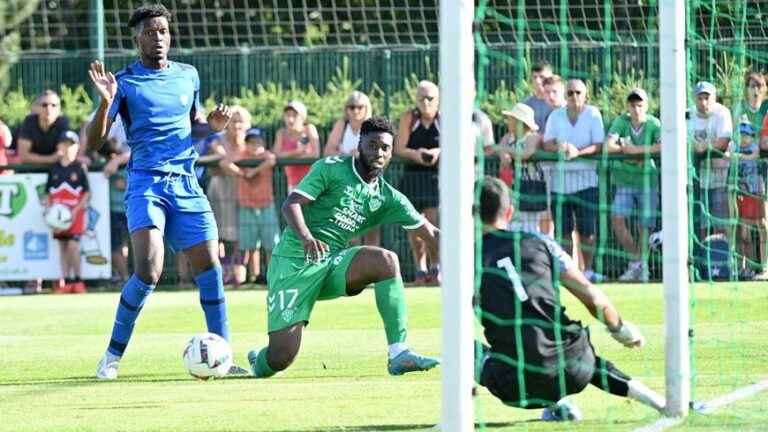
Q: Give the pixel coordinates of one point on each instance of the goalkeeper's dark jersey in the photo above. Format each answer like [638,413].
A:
[519,271]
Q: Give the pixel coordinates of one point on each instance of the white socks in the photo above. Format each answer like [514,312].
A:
[639,392]
[396,348]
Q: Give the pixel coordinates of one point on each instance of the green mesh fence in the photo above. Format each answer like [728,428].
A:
[614,192]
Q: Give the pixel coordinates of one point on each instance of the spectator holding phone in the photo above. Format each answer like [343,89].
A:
[418,142]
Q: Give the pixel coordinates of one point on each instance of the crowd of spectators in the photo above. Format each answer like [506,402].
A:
[559,196]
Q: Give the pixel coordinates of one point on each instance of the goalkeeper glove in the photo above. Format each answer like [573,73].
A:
[628,335]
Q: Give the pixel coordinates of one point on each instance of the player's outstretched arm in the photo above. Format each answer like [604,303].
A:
[431,235]
[598,304]
[106,85]
[314,249]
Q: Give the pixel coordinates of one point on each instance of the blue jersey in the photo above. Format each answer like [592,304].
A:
[157,107]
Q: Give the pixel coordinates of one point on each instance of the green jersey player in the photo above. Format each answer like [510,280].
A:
[341,198]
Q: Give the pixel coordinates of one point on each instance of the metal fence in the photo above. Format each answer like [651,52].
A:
[740,230]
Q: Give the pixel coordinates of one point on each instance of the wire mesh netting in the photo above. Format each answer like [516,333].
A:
[587,173]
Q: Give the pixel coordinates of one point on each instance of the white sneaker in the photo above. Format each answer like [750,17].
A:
[564,410]
[107,367]
[644,275]
[630,275]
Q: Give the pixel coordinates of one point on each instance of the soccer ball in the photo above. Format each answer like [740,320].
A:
[58,216]
[655,240]
[207,355]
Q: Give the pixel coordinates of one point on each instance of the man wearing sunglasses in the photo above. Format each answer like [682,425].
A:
[418,142]
[40,131]
[574,131]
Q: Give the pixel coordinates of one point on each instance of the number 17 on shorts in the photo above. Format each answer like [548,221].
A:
[284,301]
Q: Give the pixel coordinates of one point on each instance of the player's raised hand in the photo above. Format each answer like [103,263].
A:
[219,118]
[103,81]
[315,250]
[628,335]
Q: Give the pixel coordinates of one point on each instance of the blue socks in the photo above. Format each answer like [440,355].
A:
[211,289]
[132,299]
[135,293]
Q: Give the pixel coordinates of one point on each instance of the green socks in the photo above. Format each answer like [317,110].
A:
[390,301]
[260,367]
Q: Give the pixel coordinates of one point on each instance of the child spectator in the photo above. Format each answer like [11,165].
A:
[748,198]
[258,223]
[296,140]
[68,184]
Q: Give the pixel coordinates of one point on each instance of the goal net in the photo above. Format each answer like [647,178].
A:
[604,205]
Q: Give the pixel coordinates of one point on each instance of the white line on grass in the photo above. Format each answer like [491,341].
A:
[708,407]
[661,424]
[741,393]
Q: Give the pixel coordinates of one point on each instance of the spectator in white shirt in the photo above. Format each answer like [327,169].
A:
[576,130]
[709,130]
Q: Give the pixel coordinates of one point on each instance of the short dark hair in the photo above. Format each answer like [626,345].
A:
[494,199]
[541,66]
[47,92]
[148,11]
[376,124]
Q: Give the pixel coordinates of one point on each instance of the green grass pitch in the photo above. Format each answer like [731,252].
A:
[50,345]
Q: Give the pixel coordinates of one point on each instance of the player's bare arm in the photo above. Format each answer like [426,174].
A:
[314,249]
[106,86]
[431,235]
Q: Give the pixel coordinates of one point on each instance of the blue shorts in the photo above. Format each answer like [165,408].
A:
[173,203]
[632,201]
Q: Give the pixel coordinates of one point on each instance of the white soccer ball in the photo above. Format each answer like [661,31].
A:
[207,355]
[58,217]
[655,240]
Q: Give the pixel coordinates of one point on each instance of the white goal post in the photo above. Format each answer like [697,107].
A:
[457,225]
[457,173]
[674,203]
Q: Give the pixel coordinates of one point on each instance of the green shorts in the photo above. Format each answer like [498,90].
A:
[295,285]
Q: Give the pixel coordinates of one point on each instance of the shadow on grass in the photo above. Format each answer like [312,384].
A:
[405,427]
[90,379]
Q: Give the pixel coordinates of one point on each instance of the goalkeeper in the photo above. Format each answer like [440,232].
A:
[549,356]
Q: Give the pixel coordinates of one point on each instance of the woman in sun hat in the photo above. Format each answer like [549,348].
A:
[529,190]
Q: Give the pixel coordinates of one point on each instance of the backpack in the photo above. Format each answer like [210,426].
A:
[712,259]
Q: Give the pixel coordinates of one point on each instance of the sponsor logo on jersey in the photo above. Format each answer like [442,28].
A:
[374,204]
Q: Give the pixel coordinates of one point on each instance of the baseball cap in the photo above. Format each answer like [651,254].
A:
[704,87]
[298,107]
[747,129]
[254,133]
[69,135]
[638,93]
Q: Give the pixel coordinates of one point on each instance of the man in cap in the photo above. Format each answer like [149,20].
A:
[709,131]
[635,133]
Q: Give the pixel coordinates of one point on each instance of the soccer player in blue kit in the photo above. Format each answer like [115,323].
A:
[157,100]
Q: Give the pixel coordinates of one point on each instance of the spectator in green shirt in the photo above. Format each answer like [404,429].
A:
[637,180]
